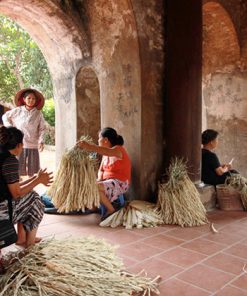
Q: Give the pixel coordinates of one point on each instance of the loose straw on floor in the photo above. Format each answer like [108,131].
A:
[75,267]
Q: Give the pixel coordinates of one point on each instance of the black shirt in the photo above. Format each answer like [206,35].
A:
[210,163]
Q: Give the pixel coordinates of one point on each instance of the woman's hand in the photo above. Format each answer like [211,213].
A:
[44,177]
[83,145]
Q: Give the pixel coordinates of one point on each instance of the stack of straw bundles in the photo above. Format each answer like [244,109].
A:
[178,199]
[69,267]
[137,214]
[74,187]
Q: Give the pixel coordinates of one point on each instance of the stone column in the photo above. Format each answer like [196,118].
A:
[183,80]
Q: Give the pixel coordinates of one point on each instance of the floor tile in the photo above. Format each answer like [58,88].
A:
[223,238]
[227,263]
[186,233]
[206,277]
[154,267]
[139,251]
[239,250]
[162,241]
[241,282]
[175,287]
[231,291]
[204,246]
[181,257]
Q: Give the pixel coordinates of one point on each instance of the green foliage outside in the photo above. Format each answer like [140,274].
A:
[22,64]
[49,112]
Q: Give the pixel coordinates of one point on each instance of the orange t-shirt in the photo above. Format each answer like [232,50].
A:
[117,168]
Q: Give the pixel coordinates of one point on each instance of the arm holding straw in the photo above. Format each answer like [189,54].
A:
[111,151]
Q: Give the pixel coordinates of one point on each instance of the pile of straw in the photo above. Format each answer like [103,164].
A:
[178,199]
[239,183]
[137,214]
[73,267]
[74,187]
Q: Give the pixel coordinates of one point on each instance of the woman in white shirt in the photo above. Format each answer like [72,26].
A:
[28,118]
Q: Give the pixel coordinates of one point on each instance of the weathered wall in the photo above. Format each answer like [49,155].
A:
[128,61]
[87,103]
[224,77]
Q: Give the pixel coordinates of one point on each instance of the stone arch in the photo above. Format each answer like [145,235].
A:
[88,103]
[220,41]
[64,45]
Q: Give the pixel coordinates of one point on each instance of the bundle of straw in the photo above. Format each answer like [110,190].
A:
[239,183]
[74,187]
[137,214]
[79,267]
[178,199]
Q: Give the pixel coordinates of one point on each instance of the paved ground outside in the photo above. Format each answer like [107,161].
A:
[47,160]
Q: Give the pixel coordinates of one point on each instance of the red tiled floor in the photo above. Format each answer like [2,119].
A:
[223,238]
[241,282]
[239,250]
[182,257]
[156,267]
[139,251]
[169,251]
[184,233]
[203,246]
[191,261]
[179,288]
[231,291]
[162,241]
[226,262]
[205,277]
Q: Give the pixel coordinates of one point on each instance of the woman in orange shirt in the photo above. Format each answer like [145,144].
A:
[115,169]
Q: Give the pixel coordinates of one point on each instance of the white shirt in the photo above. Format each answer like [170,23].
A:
[30,122]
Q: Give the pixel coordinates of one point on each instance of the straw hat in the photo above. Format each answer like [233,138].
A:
[18,100]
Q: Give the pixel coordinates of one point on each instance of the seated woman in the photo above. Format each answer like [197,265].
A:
[115,169]
[212,171]
[27,207]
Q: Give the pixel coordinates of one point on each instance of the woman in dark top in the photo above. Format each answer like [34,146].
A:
[27,207]
[212,171]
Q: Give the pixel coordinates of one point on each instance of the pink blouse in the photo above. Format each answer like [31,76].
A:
[30,122]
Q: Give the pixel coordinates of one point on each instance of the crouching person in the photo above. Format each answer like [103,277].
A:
[114,174]
[27,207]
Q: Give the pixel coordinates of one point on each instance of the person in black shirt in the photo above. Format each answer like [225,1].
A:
[212,172]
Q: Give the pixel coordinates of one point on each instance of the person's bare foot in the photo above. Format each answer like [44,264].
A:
[23,243]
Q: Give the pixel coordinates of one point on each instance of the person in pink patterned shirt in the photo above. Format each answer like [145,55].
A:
[28,118]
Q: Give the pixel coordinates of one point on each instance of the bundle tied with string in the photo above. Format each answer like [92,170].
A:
[178,199]
[239,183]
[74,187]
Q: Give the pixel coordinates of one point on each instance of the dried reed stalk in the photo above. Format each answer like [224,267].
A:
[74,187]
[239,183]
[137,214]
[178,199]
[69,267]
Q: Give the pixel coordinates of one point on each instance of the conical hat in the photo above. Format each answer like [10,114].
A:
[18,100]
